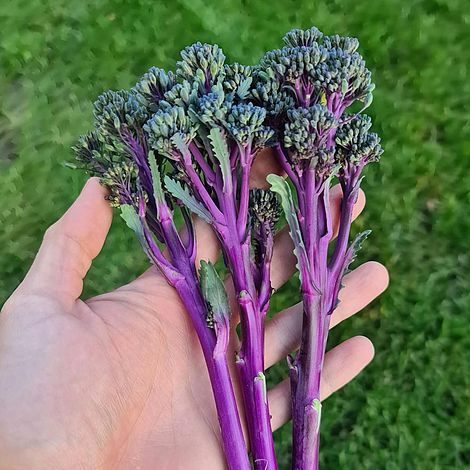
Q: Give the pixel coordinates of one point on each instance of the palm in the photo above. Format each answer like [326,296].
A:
[119,381]
[130,376]
[174,419]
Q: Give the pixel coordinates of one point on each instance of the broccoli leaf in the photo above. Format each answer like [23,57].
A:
[213,291]
[179,192]
[355,246]
[180,144]
[130,216]
[156,179]
[219,145]
[280,186]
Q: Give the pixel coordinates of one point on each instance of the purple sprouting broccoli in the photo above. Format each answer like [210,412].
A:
[117,151]
[306,88]
[210,134]
[185,143]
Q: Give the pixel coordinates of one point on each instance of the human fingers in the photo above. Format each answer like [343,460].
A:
[69,246]
[342,364]
[361,287]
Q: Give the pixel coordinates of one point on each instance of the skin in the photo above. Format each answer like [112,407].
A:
[118,381]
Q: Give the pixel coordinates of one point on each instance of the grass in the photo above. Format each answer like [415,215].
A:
[409,410]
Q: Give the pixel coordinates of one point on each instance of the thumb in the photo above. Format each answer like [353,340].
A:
[69,246]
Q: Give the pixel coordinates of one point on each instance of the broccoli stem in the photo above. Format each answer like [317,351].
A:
[305,373]
[233,441]
[187,286]
[251,356]
[305,377]
[306,369]
[251,369]
[350,182]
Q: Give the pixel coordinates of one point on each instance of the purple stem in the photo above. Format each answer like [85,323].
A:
[251,369]
[293,176]
[198,188]
[234,151]
[309,212]
[251,356]
[265,277]
[181,274]
[189,236]
[156,256]
[140,158]
[286,166]
[319,293]
[306,369]
[305,380]
[233,440]
[206,169]
[349,184]
[324,218]
[236,250]
[183,278]
[246,161]
[336,280]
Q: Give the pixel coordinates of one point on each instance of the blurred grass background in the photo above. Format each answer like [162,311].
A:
[410,408]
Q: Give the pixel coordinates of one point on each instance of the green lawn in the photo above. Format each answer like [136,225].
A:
[410,408]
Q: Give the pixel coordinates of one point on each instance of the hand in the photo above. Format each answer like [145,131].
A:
[119,381]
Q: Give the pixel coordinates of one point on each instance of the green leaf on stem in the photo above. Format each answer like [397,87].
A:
[180,144]
[156,178]
[219,145]
[355,246]
[132,219]
[280,186]
[176,189]
[214,292]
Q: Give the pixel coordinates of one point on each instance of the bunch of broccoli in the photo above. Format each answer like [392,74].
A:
[184,143]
